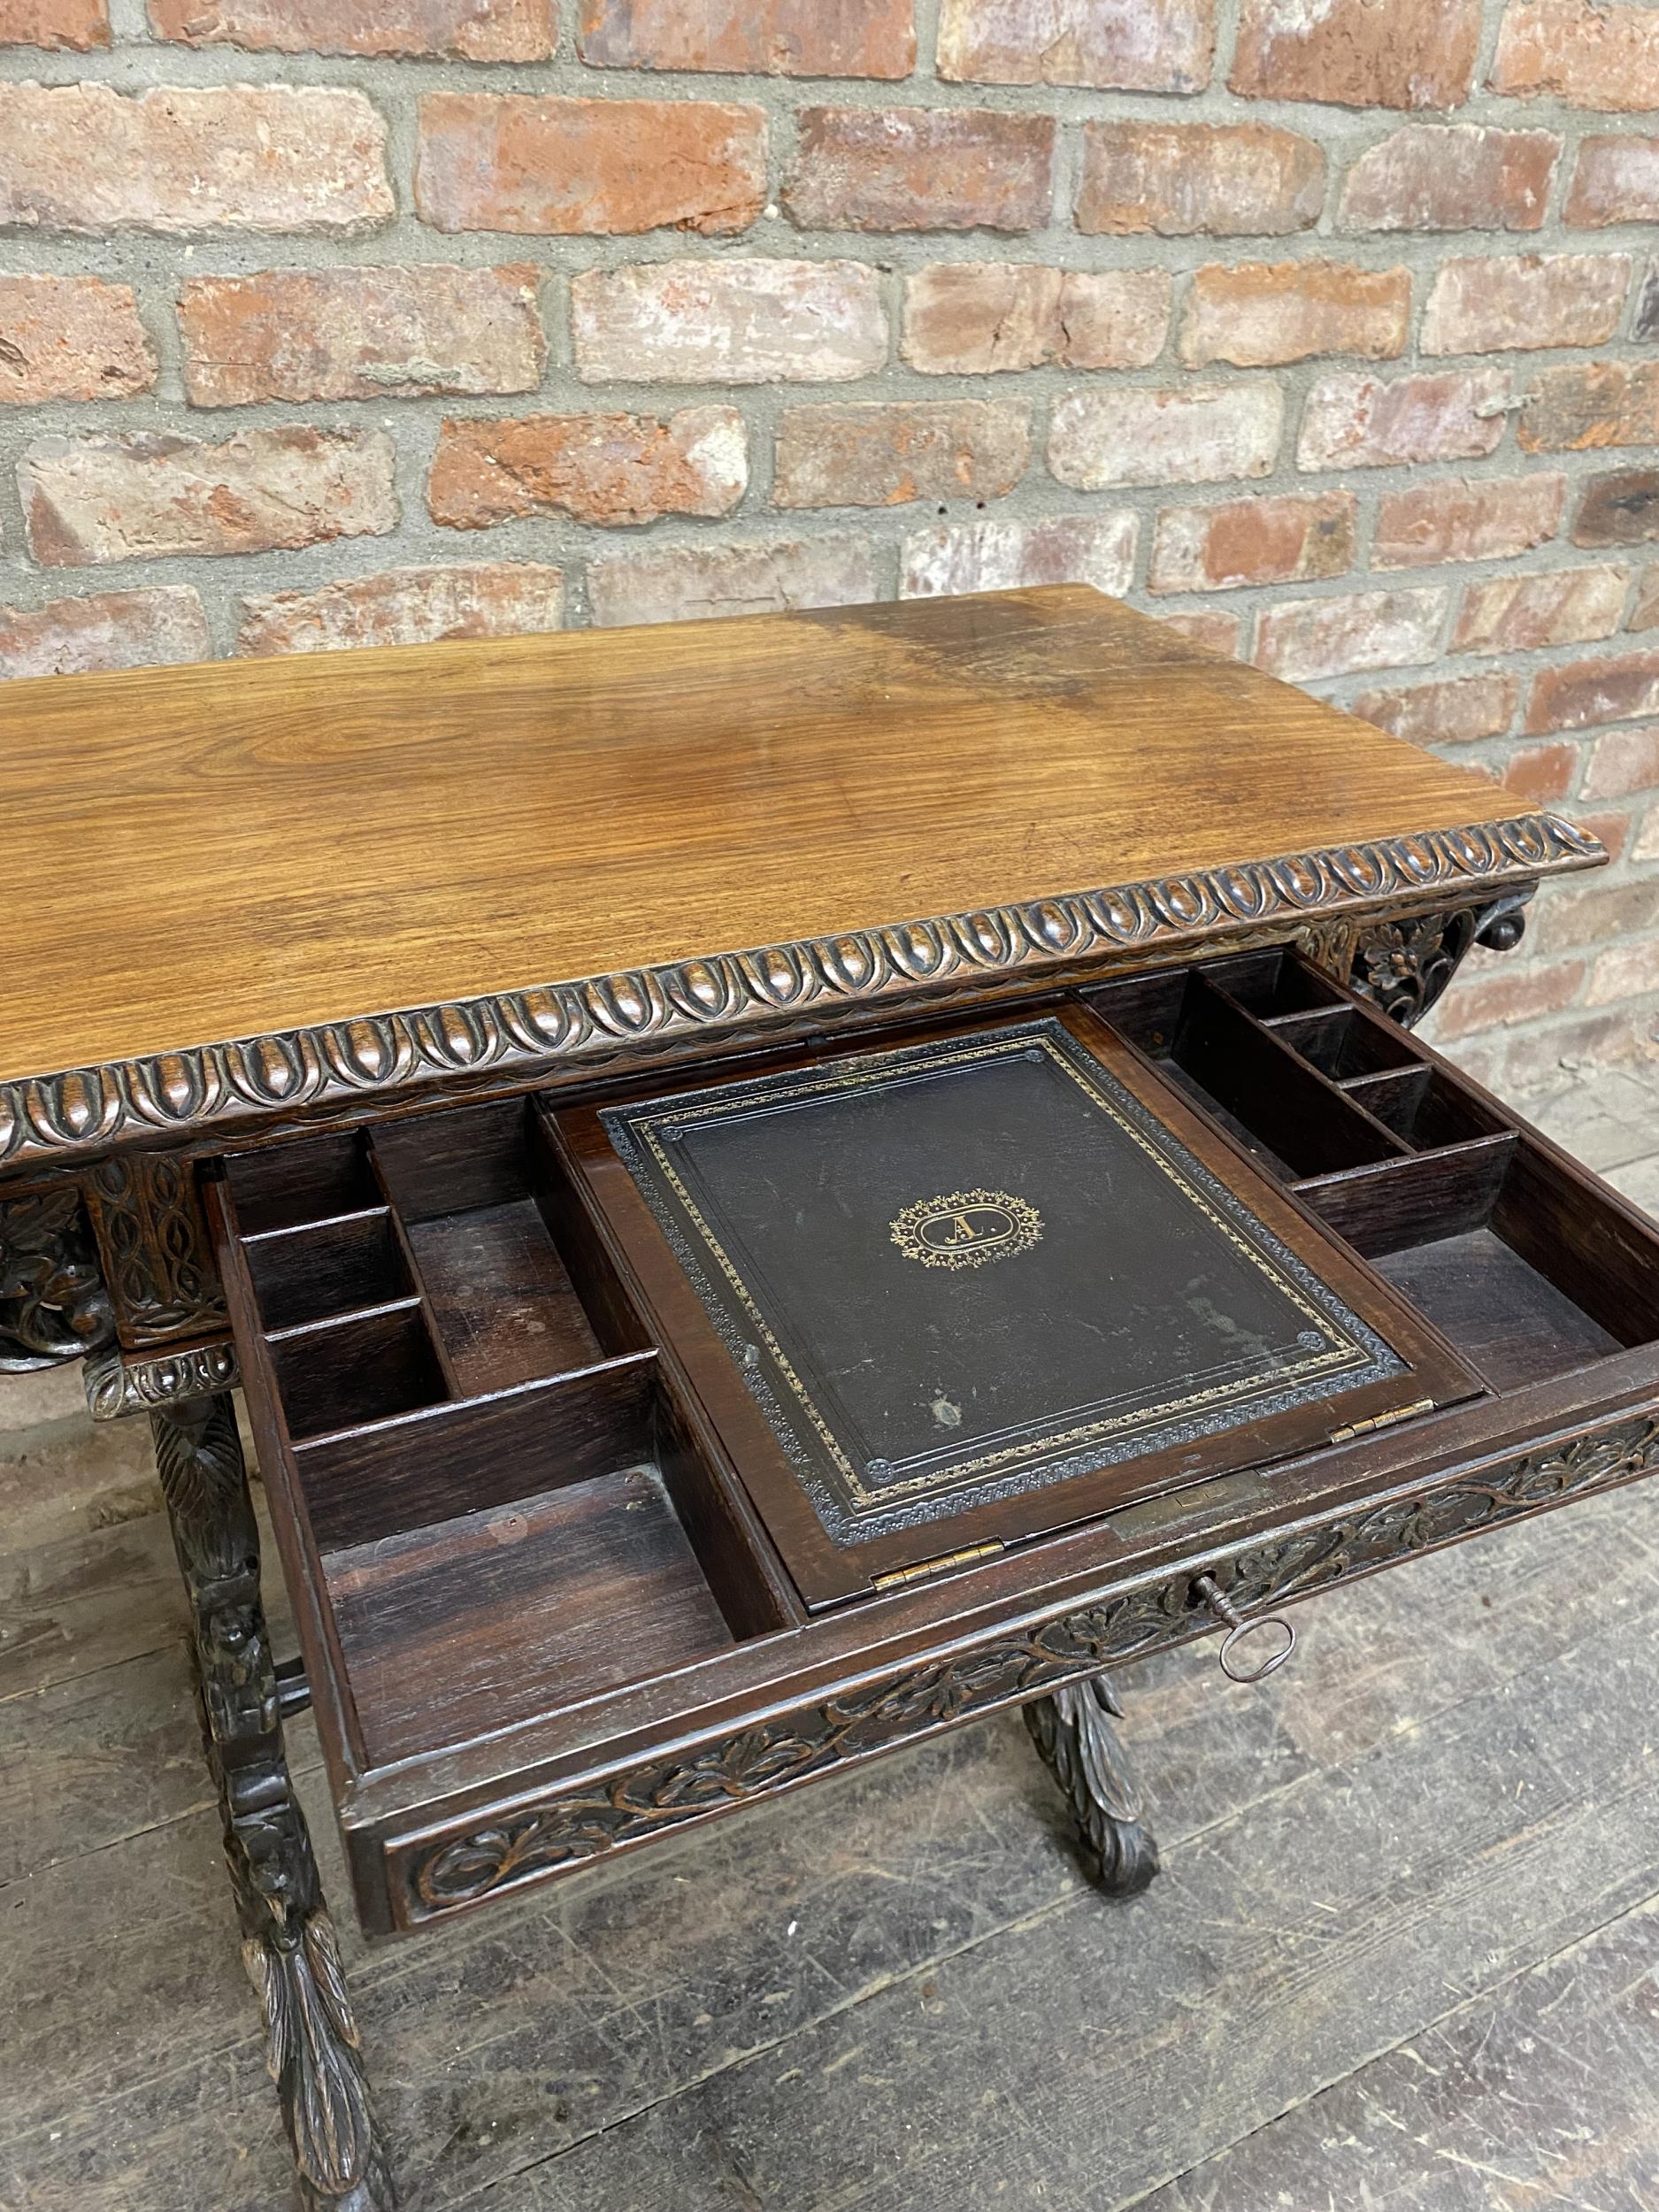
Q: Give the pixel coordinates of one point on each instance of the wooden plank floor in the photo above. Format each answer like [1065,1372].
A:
[1404,1952]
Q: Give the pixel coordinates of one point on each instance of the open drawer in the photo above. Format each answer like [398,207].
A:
[551,1524]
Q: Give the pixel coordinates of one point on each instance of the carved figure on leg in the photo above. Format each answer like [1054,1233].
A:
[1073,1730]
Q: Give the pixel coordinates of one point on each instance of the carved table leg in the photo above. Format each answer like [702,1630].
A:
[288,1940]
[1073,1730]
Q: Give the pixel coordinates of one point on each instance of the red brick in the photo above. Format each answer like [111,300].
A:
[1621,509]
[1646,845]
[1590,916]
[1257,314]
[1300,639]
[1195,433]
[1616,181]
[992,555]
[1409,54]
[1507,996]
[1624,971]
[515,161]
[1590,53]
[152,495]
[1610,827]
[1578,409]
[1623,761]
[1211,631]
[1538,773]
[71,337]
[1179,178]
[1645,614]
[1460,176]
[1523,614]
[1498,305]
[729,322]
[599,468]
[360,334]
[1119,45]
[260,157]
[1467,518]
[686,583]
[1621,688]
[462,30]
[1282,541]
[405,606]
[921,169]
[1361,422]
[777,38]
[78,25]
[883,454]
[1457,711]
[970,317]
[103,630]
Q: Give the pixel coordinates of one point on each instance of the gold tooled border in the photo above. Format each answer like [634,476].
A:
[644,1124]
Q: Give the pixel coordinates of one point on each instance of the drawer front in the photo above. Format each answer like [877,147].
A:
[544,1612]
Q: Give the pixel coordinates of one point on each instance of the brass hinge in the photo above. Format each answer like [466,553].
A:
[946,1561]
[1382,1421]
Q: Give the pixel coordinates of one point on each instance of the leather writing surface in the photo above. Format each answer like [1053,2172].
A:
[965,1270]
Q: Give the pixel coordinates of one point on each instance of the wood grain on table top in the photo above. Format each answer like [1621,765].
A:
[199,853]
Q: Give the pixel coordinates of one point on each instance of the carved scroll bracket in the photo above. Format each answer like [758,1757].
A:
[1402,967]
[53,1305]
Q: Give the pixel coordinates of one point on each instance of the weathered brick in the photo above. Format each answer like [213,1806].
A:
[1623,688]
[921,169]
[461,30]
[688,583]
[729,322]
[1180,179]
[1645,614]
[1601,910]
[1278,541]
[881,453]
[1623,972]
[1467,518]
[1623,761]
[1193,435]
[360,334]
[1301,639]
[972,317]
[1644,322]
[405,606]
[1507,996]
[1257,314]
[1611,826]
[1616,181]
[1208,629]
[1361,422]
[1590,53]
[77,25]
[1410,54]
[1540,773]
[599,468]
[153,496]
[1500,304]
[1455,711]
[517,161]
[1622,508]
[1577,410]
[71,337]
[1522,614]
[991,555]
[106,629]
[777,38]
[260,157]
[1119,45]
[1458,176]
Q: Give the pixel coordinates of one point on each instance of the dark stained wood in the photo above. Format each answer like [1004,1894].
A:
[338,1374]
[1414,1200]
[332,1267]
[1511,1321]
[467,1625]
[497,814]
[501,1304]
[289,1184]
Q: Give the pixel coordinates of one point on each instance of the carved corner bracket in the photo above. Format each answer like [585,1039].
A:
[119,1383]
[53,1305]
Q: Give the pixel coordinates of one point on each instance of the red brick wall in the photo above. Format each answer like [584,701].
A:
[1327,329]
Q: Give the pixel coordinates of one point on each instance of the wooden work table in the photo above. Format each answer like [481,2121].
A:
[362,1016]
